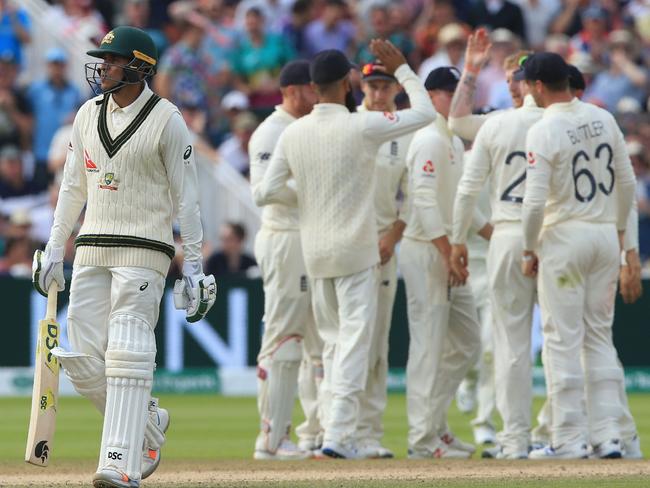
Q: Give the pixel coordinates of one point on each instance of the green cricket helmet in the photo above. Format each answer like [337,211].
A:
[128,42]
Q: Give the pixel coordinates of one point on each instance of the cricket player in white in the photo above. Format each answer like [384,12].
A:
[580,189]
[331,155]
[380,90]
[498,156]
[287,305]
[129,162]
[441,318]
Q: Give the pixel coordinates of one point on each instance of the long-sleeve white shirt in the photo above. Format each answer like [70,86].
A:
[276,216]
[392,179]
[435,162]
[130,196]
[498,156]
[331,154]
[578,169]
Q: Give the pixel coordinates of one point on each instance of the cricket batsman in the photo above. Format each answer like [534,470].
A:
[579,193]
[380,89]
[287,303]
[331,154]
[130,162]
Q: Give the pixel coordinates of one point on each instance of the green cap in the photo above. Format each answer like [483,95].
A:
[129,42]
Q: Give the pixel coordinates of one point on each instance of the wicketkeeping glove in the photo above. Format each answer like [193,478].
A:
[195,293]
[47,267]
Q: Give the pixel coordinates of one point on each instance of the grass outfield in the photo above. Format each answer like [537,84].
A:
[209,433]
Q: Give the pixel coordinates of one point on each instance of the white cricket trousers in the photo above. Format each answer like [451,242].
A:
[579,264]
[287,303]
[513,296]
[345,308]
[98,293]
[373,399]
[444,342]
[485,365]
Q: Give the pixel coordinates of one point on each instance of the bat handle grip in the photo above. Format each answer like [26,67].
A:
[52,293]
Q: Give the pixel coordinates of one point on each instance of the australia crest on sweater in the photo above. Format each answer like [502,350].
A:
[109,182]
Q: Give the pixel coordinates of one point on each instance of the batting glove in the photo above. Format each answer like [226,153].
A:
[48,267]
[195,293]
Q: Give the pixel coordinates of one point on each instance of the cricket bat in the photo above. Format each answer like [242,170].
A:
[45,393]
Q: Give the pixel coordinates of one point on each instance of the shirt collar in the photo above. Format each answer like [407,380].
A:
[440,123]
[133,107]
[529,102]
[283,113]
[563,106]
[329,108]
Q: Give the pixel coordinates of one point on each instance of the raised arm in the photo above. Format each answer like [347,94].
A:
[461,120]
[384,126]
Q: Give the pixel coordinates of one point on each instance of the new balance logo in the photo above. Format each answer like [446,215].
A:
[91,167]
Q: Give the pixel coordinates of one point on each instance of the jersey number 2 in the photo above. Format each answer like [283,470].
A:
[506,196]
[582,196]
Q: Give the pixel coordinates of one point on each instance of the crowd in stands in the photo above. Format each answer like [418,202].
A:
[220,59]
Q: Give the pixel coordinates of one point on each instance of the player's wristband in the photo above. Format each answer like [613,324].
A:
[623,257]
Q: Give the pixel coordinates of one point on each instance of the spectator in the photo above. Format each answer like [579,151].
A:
[275,13]
[185,66]
[137,14]
[234,150]
[452,39]
[332,30]
[382,28]
[538,15]
[17,258]
[592,38]
[232,104]
[497,14]
[193,110]
[231,260]
[14,30]
[257,61]
[76,18]
[15,110]
[55,99]
[436,15]
[16,193]
[623,78]
[302,13]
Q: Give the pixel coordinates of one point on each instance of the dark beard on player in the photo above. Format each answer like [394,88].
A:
[350,102]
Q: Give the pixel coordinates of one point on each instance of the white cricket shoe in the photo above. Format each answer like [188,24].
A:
[151,457]
[578,451]
[286,451]
[485,434]
[632,448]
[338,450]
[455,443]
[611,449]
[111,478]
[466,396]
[372,449]
[309,444]
[502,454]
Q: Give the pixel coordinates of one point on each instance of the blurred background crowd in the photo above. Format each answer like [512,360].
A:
[219,63]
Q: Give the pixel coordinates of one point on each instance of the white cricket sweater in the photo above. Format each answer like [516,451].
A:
[331,155]
[277,216]
[578,169]
[498,157]
[435,162]
[130,177]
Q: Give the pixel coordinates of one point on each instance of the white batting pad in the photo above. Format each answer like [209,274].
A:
[130,360]
[86,373]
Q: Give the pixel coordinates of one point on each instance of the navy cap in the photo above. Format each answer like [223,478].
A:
[295,73]
[576,80]
[545,67]
[444,78]
[375,71]
[329,66]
